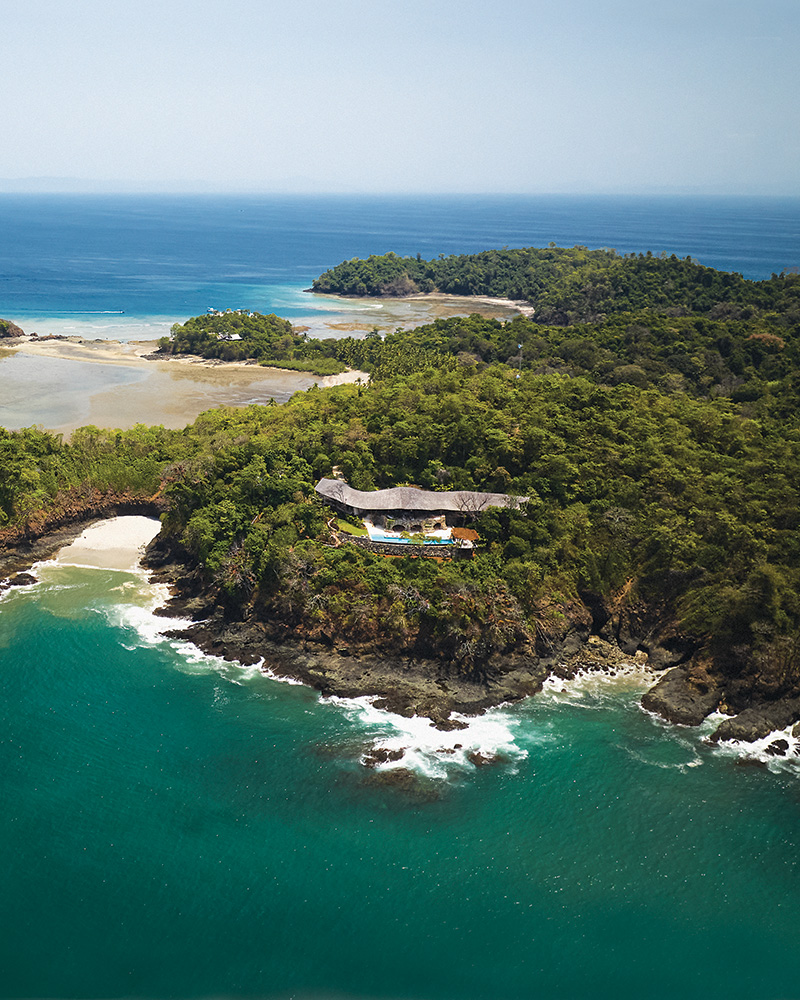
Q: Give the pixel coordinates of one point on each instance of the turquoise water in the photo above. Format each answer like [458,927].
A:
[90,257]
[129,267]
[173,826]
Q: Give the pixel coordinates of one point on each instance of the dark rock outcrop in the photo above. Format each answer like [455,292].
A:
[380,755]
[401,684]
[684,695]
[9,329]
[649,626]
[758,721]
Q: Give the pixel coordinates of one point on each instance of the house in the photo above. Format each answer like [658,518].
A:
[407,508]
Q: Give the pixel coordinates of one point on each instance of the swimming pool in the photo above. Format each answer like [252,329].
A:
[379,536]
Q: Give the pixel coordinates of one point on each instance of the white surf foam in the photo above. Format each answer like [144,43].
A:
[149,629]
[755,750]
[417,745]
[759,749]
[628,677]
[269,672]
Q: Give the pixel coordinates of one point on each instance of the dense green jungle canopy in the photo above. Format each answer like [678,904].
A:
[241,335]
[565,285]
[659,447]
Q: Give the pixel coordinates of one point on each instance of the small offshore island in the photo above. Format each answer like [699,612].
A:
[640,418]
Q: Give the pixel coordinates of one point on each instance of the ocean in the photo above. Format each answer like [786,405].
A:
[91,259]
[177,826]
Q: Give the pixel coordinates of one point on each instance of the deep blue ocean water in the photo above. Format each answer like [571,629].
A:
[176,256]
[175,827]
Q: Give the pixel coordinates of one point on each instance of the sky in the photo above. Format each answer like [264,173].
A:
[507,96]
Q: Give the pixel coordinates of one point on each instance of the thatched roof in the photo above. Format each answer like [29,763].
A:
[409,498]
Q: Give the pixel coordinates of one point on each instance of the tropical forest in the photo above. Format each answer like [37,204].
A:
[648,412]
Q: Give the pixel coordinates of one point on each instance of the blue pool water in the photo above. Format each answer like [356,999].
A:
[380,536]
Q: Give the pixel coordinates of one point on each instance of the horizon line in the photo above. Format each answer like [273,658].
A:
[28,186]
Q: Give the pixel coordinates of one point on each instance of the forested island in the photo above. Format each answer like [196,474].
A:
[648,412]
[242,335]
[565,285]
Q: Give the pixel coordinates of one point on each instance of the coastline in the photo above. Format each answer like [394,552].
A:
[64,381]
[685,689]
[439,305]
[21,546]
[116,543]
[142,353]
[404,684]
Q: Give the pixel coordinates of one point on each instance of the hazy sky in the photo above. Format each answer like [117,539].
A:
[409,95]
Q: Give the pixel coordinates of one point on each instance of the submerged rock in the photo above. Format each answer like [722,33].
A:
[750,762]
[414,786]
[381,755]
[480,758]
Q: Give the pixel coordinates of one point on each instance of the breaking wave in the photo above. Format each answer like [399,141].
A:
[417,745]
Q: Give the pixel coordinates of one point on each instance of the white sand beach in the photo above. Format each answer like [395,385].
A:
[117,543]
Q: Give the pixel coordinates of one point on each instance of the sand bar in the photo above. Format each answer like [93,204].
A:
[68,382]
[347,315]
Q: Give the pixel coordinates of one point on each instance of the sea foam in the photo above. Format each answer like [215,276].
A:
[627,677]
[759,750]
[392,741]
[415,744]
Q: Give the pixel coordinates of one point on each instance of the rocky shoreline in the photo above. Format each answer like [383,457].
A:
[592,638]
[405,683]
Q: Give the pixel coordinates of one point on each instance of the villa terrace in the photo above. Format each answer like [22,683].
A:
[405,516]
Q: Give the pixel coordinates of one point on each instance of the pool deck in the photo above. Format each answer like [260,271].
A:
[441,536]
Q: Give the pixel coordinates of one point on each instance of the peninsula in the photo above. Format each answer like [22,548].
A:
[644,424]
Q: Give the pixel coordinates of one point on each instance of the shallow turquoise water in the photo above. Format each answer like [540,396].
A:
[128,267]
[176,827]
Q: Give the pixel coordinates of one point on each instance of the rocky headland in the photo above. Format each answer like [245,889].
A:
[408,681]
[593,636]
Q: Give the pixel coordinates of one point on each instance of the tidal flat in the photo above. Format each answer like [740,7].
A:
[76,379]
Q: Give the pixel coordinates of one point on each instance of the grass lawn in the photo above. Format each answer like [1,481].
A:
[350,529]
